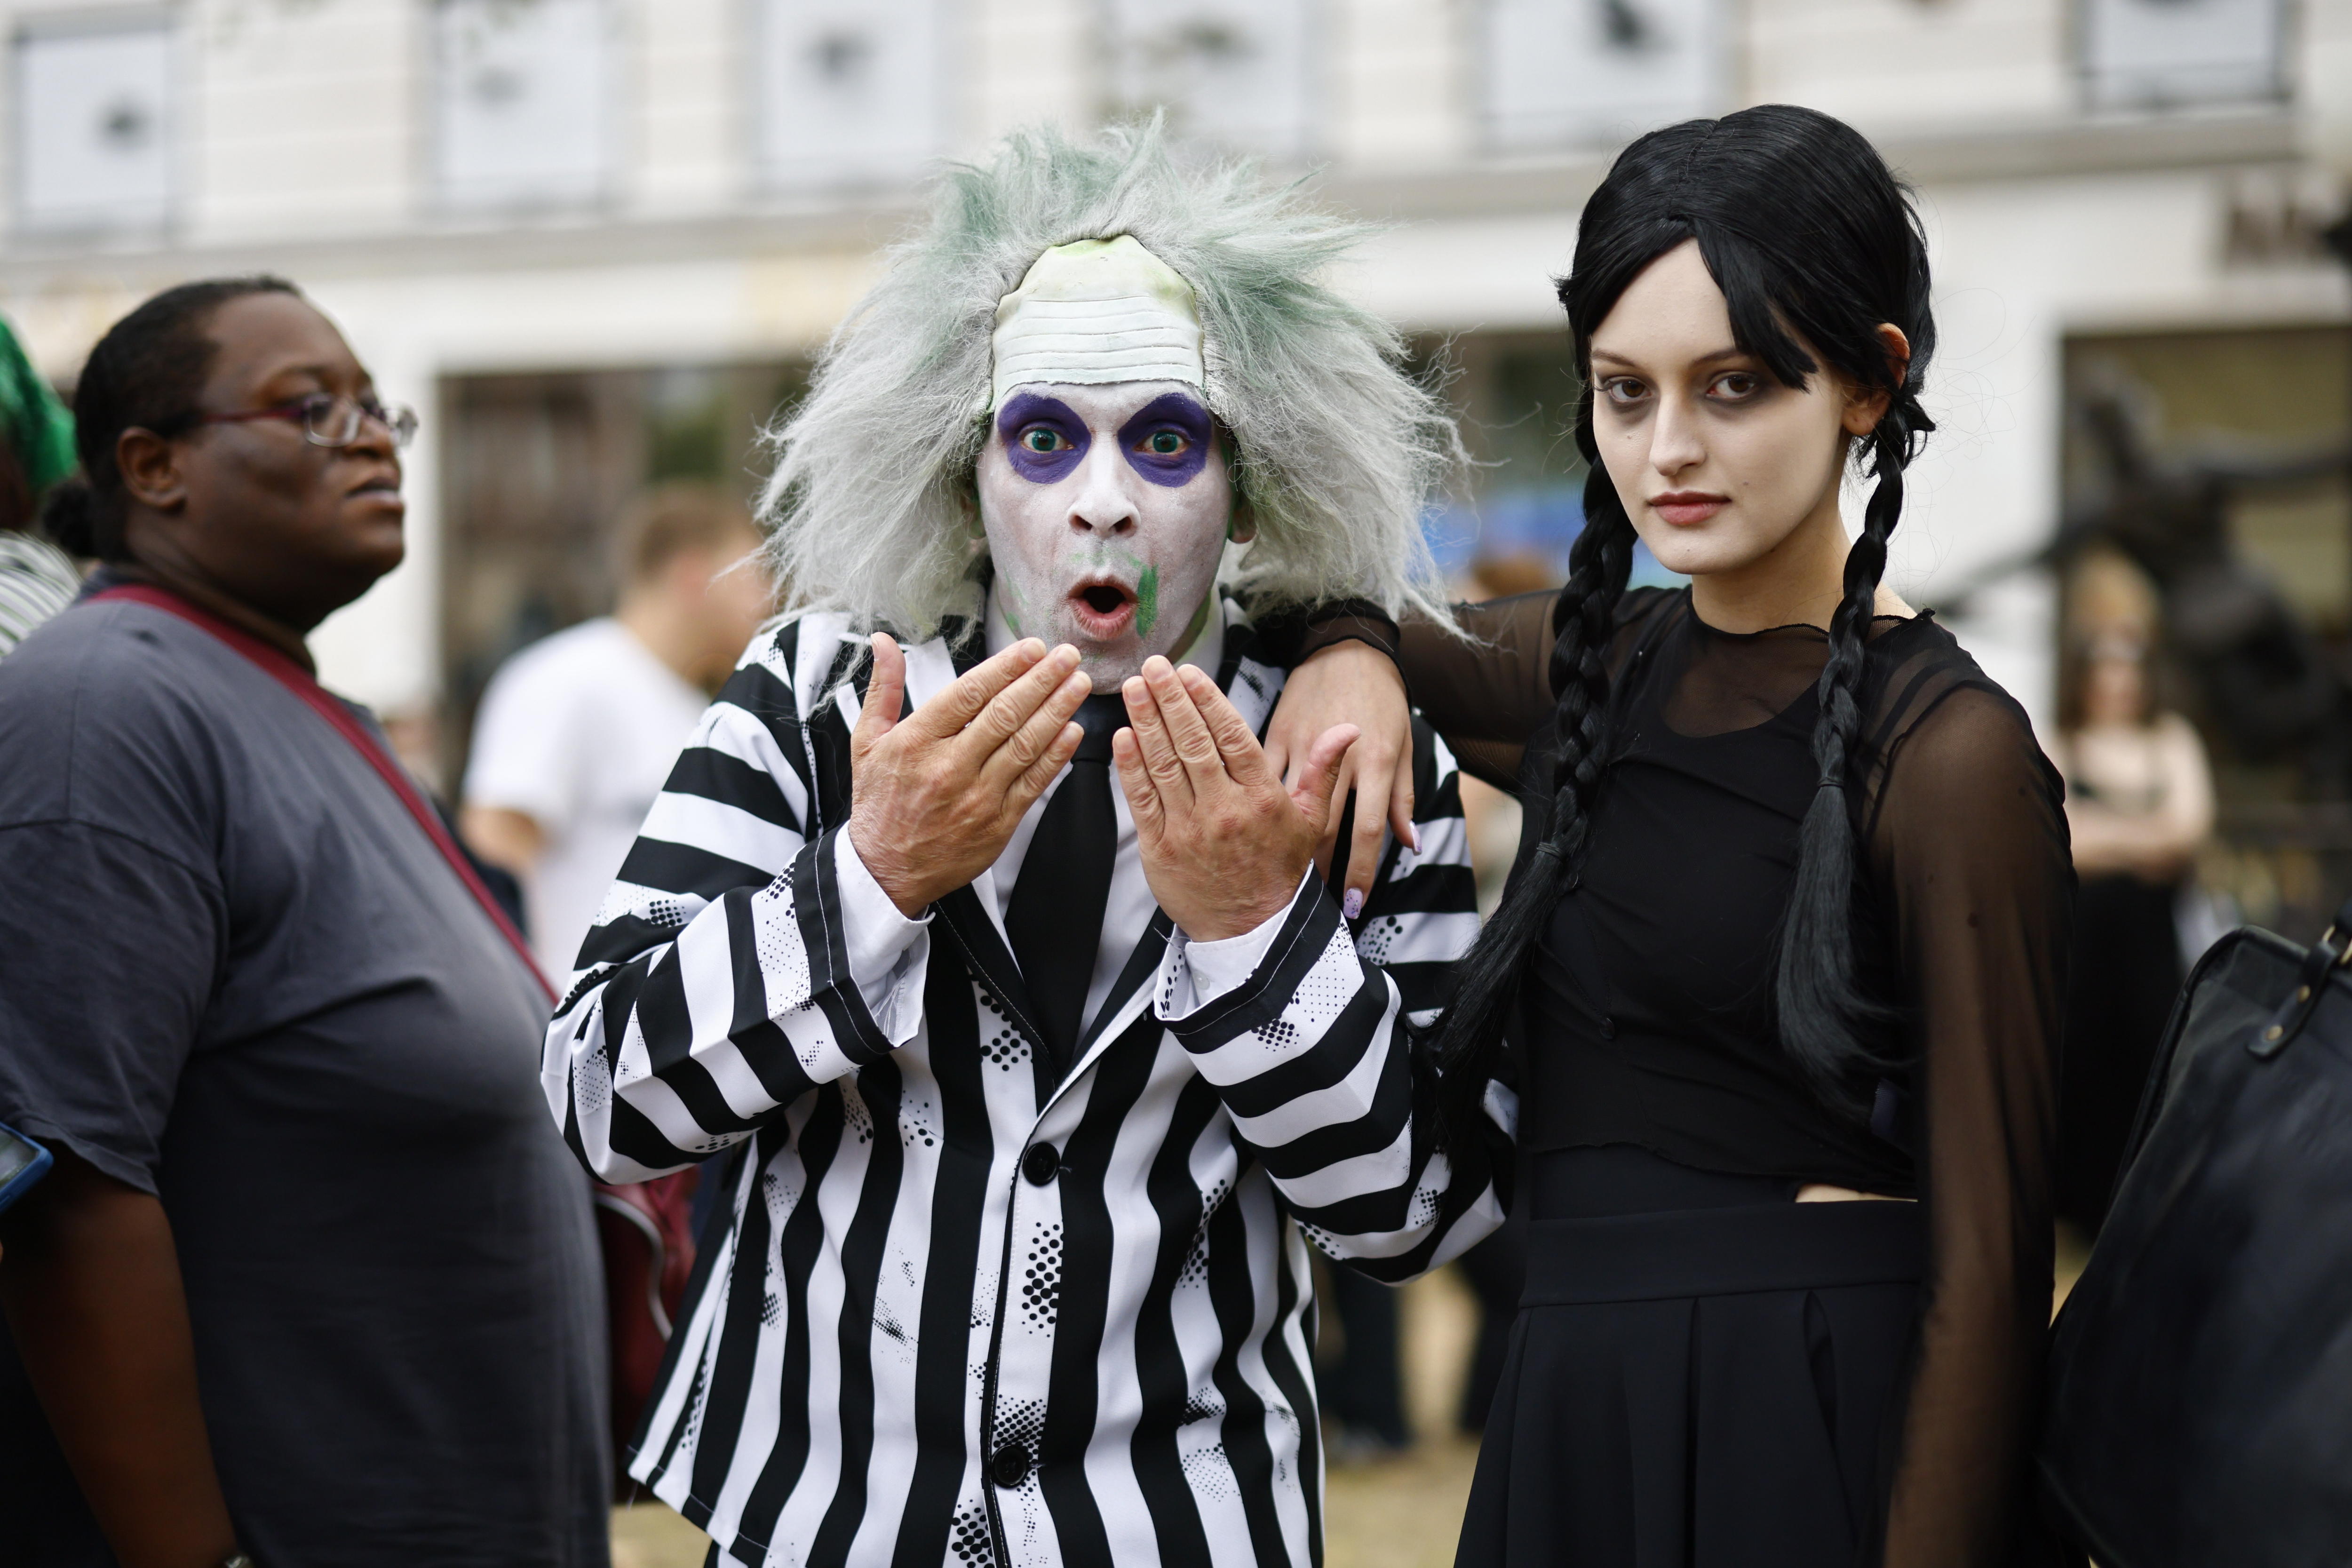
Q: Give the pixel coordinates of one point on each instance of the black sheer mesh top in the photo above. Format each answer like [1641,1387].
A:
[1648,1016]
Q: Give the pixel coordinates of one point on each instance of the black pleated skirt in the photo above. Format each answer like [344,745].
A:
[1714,1386]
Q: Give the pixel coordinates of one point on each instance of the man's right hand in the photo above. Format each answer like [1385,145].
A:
[934,797]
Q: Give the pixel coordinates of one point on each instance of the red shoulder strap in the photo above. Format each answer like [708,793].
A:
[326,705]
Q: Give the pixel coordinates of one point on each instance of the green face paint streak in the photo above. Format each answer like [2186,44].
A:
[1147,601]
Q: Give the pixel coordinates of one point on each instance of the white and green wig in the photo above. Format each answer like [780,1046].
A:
[1334,448]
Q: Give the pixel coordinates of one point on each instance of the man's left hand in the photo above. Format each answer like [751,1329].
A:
[1224,845]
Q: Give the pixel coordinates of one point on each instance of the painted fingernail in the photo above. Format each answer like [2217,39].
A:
[1412,836]
[1353,904]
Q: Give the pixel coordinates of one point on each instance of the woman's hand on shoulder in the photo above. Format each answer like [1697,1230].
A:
[1352,683]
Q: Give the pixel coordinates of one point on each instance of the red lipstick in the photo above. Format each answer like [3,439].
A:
[1687,508]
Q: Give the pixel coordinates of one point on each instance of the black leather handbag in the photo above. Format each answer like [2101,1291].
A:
[2200,1390]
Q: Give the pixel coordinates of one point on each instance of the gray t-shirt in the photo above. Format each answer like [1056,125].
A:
[234,972]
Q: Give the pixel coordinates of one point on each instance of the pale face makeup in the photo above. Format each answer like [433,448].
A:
[1106,509]
[1728,476]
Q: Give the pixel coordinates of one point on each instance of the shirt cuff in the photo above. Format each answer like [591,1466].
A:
[1198,973]
[888,954]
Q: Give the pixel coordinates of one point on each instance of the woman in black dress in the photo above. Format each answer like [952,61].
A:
[1787,921]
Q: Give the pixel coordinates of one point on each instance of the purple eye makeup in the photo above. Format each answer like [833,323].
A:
[1167,442]
[1043,437]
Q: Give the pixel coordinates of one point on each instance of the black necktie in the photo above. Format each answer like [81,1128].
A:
[1054,919]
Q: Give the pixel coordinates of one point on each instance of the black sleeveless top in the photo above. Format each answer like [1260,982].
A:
[1650,1004]
[1648,1016]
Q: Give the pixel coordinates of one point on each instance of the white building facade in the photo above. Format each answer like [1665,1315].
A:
[483,187]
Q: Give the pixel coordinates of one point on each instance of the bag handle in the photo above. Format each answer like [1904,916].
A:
[2333,948]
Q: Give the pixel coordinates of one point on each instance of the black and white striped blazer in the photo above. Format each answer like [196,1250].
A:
[963,1303]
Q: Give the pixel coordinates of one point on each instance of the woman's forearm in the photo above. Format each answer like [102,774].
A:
[91,1284]
[1493,685]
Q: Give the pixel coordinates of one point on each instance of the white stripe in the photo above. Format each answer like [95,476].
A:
[1348,1099]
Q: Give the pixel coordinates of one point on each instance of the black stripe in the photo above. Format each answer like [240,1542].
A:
[816,904]
[801,1246]
[1160,1372]
[1089,1239]
[664,1017]
[969,927]
[738,1343]
[1293,1301]
[1233,1296]
[759,691]
[861,1251]
[708,773]
[1427,888]
[761,1043]
[632,1135]
[1319,1148]
[1423,987]
[678,868]
[1345,1041]
[959,1210]
[707,1246]
[617,941]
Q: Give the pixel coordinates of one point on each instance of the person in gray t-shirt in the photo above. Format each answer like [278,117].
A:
[315,1279]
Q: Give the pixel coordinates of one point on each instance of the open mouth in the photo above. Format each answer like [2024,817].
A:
[1102,610]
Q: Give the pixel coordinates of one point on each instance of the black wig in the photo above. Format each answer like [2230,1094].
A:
[1810,238]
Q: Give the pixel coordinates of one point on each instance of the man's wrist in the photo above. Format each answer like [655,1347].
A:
[884,876]
[1213,968]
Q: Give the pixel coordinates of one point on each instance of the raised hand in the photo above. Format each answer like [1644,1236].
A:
[934,797]
[1223,843]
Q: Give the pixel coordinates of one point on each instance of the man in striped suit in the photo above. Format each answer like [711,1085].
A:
[1036,1081]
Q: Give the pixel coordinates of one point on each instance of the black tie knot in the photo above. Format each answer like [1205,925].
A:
[1100,717]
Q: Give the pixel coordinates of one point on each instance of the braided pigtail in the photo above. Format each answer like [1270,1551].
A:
[1469,1039]
[1826,1019]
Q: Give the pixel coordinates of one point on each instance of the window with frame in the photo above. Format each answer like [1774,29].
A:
[850,92]
[95,112]
[524,101]
[1238,72]
[2155,54]
[1564,73]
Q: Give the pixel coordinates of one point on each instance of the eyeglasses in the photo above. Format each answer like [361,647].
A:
[328,421]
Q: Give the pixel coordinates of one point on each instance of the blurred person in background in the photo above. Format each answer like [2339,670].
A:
[36,450]
[2139,804]
[578,731]
[312,1279]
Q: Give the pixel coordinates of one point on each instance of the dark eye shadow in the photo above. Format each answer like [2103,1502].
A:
[1171,411]
[1023,409]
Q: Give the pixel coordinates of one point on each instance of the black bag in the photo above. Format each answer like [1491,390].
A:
[2200,1382]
